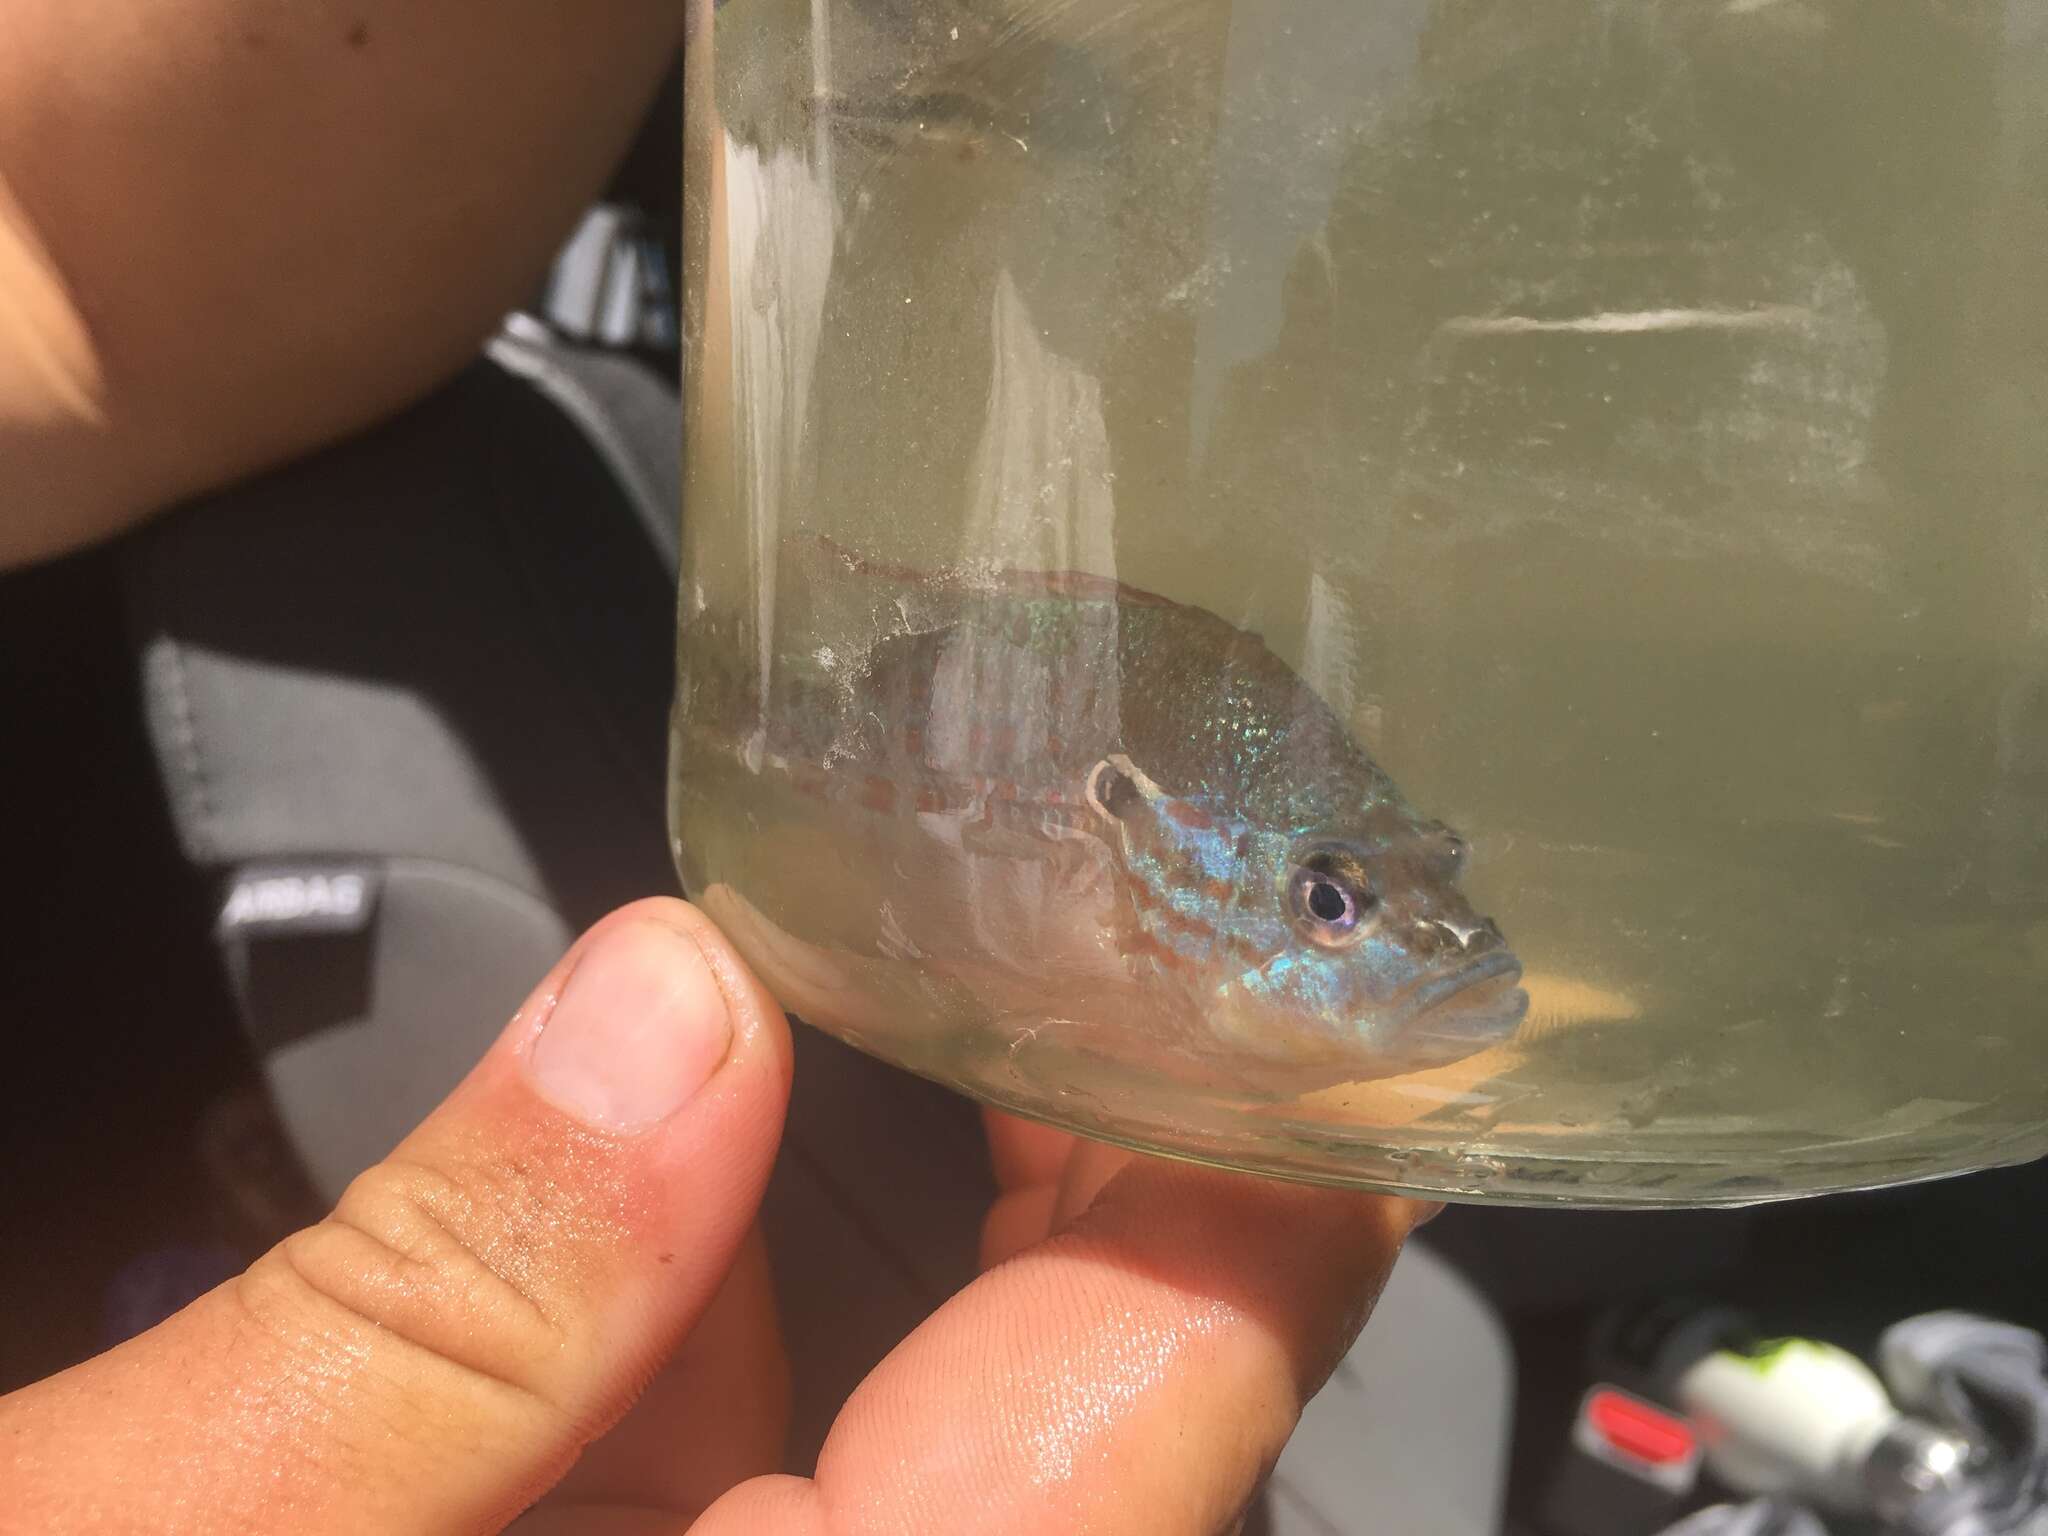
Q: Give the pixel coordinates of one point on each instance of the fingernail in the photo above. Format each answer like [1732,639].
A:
[1426,1212]
[639,1028]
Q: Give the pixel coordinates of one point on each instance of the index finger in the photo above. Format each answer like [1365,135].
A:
[1025,1153]
[1043,1178]
[1138,1372]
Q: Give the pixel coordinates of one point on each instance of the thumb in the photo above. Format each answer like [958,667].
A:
[433,1356]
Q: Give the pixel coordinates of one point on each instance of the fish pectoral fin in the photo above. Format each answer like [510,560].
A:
[1463,1088]
[1560,1002]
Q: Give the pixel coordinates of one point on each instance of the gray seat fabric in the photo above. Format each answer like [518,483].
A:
[438,652]
[440,657]
[444,936]
[1411,1433]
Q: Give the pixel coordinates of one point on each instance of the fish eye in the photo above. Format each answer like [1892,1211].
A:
[1331,902]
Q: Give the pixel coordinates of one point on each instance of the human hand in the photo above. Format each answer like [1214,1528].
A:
[457,1347]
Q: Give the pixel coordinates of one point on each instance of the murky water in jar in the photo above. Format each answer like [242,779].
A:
[1628,419]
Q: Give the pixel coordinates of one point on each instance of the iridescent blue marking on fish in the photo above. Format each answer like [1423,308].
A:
[1225,908]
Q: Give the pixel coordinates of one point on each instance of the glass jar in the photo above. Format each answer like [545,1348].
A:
[1442,595]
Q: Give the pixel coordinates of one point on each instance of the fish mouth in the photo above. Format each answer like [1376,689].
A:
[1476,1005]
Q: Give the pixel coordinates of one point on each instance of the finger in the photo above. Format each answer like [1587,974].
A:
[599,1520]
[1087,1173]
[1139,1372]
[1029,1161]
[1024,1152]
[1017,1220]
[1030,1213]
[716,1414]
[479,1306]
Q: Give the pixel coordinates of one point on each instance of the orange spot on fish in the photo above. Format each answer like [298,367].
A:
[878,794]
[1190,816]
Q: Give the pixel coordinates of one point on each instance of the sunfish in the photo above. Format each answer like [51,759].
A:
[1097,807]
